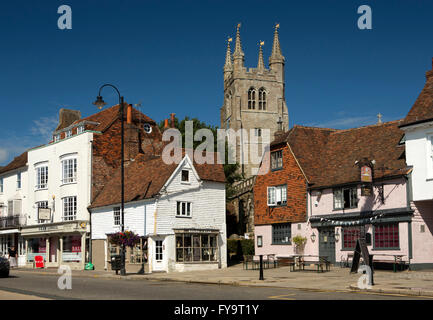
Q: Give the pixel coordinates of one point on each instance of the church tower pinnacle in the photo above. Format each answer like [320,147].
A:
[228,67]
[260,63]
[238,54]
[276,60]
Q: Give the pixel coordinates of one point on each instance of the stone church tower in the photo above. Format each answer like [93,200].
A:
[253,100]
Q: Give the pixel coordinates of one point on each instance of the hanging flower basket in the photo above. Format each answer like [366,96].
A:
[127,238]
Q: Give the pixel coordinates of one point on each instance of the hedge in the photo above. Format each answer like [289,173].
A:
[240,248]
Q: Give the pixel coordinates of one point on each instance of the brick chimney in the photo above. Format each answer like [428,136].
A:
[132,145]
[67,117]
[172,119]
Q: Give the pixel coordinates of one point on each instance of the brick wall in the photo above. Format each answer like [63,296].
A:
[290,174]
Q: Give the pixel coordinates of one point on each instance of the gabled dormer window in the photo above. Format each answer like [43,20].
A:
[56,137]
[68,133]
[80,129]
[185,175]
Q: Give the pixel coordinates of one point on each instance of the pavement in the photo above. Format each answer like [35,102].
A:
[413,283]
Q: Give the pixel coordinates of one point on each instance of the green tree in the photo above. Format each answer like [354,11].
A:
[230,170]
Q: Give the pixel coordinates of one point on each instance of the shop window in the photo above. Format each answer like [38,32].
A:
[138,253]
[71,248]
[350,236]
[386,236]
[196,247]
[281,233]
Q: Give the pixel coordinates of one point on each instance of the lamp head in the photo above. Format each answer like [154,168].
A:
[100,103]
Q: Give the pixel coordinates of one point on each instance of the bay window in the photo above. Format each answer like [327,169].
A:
[69,170]
[196,247]
[42,177]
[69,208]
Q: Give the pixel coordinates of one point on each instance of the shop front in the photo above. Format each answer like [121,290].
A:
[58,244]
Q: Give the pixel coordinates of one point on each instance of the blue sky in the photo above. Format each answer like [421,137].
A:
[168,56]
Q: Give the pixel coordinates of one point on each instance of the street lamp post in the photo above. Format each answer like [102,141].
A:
[100,104]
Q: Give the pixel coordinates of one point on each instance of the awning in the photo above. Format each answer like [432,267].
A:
[9,231]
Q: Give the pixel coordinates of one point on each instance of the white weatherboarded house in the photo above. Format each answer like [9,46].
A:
[178,210]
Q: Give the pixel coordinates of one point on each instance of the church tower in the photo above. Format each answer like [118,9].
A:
[253,100]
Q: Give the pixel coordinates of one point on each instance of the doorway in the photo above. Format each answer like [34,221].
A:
[327,243]
[159,254]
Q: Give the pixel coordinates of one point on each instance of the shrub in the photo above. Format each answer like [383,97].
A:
[299,240]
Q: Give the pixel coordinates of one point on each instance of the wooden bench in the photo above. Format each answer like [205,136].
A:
[396,262]
[286,261]
[321,265]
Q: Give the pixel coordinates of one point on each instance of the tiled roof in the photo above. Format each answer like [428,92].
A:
[145,177]
[422,109]
[328,156]
[16,163]
[105,117]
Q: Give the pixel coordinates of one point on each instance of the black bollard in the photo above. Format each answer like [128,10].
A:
[261,267]
[372,270]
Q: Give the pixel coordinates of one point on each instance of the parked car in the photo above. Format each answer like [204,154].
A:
[4,267]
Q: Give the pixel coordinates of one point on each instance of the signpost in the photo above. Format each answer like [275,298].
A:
[362,250]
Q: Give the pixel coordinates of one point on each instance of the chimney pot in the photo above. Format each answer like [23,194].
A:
[165,123]
[129,114]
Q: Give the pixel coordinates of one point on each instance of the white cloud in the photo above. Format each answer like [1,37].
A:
[16,143]
[44,127]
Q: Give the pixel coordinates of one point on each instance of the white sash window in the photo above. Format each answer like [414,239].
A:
[277,196]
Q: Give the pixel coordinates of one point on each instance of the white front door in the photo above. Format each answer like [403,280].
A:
[158,254]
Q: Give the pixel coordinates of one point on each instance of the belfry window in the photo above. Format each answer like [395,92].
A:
[252,98]
[262,99]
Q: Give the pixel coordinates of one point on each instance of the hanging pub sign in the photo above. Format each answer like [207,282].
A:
[366,174]
[366,190]
[44,213]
